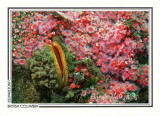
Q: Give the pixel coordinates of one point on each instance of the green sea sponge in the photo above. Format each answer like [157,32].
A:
[41,65]
[46,65]
[70,94]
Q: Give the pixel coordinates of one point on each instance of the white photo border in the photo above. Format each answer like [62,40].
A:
[42,105]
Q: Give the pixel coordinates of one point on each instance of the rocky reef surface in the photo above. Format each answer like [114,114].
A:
[80,56]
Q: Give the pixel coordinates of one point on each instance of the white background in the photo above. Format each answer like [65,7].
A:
[108,111]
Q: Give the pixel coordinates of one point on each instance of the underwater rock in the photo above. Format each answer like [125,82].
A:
[23,90]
